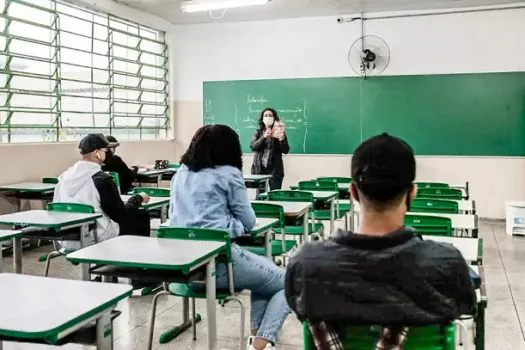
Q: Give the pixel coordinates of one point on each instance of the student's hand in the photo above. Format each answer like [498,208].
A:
[145,197]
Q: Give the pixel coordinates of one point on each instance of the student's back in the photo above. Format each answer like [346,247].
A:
[386,274]
[211,198]
[394,279]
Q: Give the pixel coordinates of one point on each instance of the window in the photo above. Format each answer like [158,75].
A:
[66,71]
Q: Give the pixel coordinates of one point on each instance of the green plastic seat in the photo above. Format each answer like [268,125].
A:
[63,207]
[430,225]
[152,191]
[116,178]
[50,180]
[183,289]
[430,205]
[432,185]
[337,180]
[296,196]
[318,186]
[433,337]
[267,210]
[439,193]
[173,165]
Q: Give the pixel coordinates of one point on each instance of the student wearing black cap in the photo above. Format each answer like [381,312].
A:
[86,183]
[115,164]
[385,274]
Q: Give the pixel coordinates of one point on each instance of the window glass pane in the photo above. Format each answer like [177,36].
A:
[85,71]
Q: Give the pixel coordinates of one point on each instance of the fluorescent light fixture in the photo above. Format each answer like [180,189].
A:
[189,6]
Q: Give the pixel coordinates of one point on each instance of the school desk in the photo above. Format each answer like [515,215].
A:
[6,235]
[294,210]
[255,181]
[161,203]
[470,248]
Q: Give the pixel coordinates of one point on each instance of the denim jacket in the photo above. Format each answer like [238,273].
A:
[213,198]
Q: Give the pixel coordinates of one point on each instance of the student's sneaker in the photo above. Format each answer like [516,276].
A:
[249,342]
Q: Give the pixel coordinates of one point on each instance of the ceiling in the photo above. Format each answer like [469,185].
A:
[170,9]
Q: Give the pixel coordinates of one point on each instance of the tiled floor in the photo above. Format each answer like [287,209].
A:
[504,259]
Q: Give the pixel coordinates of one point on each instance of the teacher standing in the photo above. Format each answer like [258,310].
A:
[269,143]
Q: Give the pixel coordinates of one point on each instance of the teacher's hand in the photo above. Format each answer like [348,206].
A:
[267,132]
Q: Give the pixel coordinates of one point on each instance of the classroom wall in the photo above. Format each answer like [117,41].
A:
[318,47]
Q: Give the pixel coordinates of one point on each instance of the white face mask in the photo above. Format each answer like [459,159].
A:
[268,121]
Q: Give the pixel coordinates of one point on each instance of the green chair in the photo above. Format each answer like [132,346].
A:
[267,210]
[296,196]
[173,166]
[432,185]
[432,337]
[64,207]
[183,289]
[337,180]
[342,209]
[152,191]
[440,193]
[430,205]
[429,225]
[116,178]
[50,180]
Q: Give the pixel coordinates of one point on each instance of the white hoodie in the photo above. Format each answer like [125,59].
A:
[76,185]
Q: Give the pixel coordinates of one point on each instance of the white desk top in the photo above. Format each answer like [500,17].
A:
[256,178]
[153,173]
[261,224]
[322,195]
[469,247]
[43,307]
[148,252]
[153,201]
[290,208]
[29,187]
[47,219]
[8,234]
[459,221]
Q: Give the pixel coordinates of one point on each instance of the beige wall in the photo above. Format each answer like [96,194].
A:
[31,162]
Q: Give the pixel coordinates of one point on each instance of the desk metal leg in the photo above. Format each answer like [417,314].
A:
[105,332]
[268,244]
[1,252]
[163,214]
[17,255]
[211,305]
[332,216]
[480,327]
[85,240]
[174,332]
[305,226]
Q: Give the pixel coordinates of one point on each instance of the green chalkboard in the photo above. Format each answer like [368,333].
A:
[456,114]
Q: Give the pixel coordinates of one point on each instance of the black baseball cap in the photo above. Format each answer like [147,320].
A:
[92,142]
[383,167]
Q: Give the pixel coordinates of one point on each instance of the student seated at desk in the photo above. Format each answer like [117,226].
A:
[86,183]
[385,274]
[115,164]
[208,191]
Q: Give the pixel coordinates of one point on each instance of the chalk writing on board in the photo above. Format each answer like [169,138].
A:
[255,99]
[209,115]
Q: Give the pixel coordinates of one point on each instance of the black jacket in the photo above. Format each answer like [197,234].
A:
[129,216]
[277,148]
[126,175]
[397,279]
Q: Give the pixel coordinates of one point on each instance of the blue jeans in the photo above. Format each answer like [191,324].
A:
[258,274]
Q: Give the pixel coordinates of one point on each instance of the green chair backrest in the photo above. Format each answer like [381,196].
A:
[429,225]
[433,337]
[173,165]
[337,180]
[70,207]
[116,178]
[290,196]
[197,234]
[267,210]
[440,193]
[431,205]
[318,186]
[50,180]
[152,191]
[432,185]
